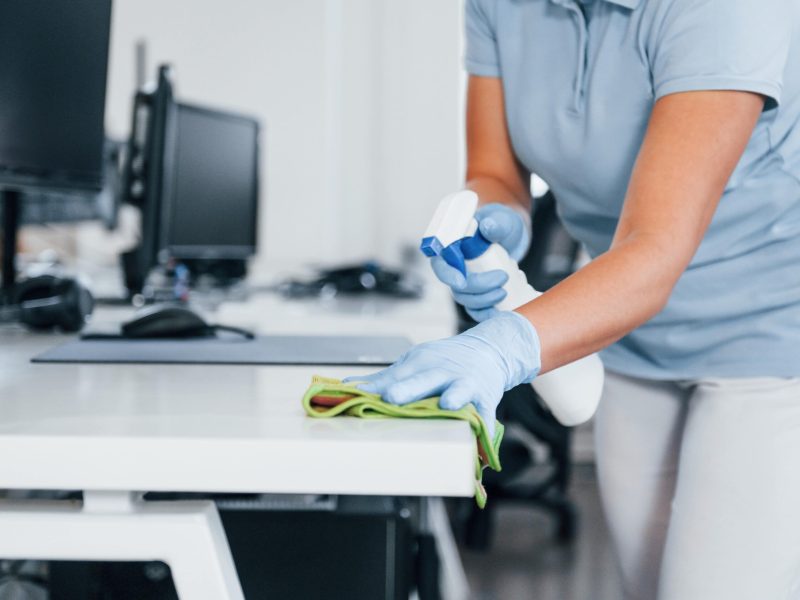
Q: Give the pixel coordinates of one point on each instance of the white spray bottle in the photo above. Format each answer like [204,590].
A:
[572,391]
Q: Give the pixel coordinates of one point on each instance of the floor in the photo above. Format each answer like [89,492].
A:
[525,562]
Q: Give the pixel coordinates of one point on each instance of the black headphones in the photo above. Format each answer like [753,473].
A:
[48,302]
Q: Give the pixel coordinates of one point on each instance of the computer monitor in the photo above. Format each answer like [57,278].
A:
[212,200]
[193,172]
[52,103]
[53,92]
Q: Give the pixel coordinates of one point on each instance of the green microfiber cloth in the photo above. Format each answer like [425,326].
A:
[330,397]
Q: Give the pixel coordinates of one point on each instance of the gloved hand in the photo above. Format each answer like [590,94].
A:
[479,292]
[476,366]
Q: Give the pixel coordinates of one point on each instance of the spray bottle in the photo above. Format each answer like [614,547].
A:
[572,391]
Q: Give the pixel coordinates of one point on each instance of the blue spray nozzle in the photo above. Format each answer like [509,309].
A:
[450,232]
[431,246]
[458,252]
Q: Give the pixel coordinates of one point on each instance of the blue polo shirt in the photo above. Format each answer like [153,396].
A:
[580,81]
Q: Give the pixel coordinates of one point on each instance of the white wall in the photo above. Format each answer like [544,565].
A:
[360,99]
[402,92]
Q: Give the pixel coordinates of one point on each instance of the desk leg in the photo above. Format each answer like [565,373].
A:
[454,584]
[117,526]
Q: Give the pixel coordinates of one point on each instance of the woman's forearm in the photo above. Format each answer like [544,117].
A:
[692,145]
[604,301]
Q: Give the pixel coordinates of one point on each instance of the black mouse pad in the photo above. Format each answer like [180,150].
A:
[263,350]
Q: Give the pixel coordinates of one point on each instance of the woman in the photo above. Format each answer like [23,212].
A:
[667,130]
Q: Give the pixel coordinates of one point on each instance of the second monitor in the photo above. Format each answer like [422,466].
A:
[193,173]
[211,205]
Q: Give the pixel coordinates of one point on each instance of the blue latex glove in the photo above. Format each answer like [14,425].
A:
[475,367]
[478,293]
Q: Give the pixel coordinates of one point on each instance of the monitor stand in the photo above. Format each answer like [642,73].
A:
[11,208]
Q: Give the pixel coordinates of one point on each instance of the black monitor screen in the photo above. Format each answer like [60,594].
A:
[214,190]
[53,63]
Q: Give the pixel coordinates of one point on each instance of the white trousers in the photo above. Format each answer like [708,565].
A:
[700,483]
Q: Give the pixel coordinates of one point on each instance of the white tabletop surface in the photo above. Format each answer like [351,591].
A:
[223,428]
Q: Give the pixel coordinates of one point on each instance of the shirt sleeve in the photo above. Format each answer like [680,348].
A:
[481,44]
[722,45]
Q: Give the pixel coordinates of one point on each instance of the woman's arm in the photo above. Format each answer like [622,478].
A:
[693,142]
[493,171]
[692,145]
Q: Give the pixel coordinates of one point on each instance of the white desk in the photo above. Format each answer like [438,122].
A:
[115,431]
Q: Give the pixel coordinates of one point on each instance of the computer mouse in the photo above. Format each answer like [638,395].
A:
[166,321]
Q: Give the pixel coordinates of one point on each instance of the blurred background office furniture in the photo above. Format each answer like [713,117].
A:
[368,277]
[42,205]
[361,102]
[52,121]
[53,103]
[321,547]
[193,173]
[48,302]
[344,131]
